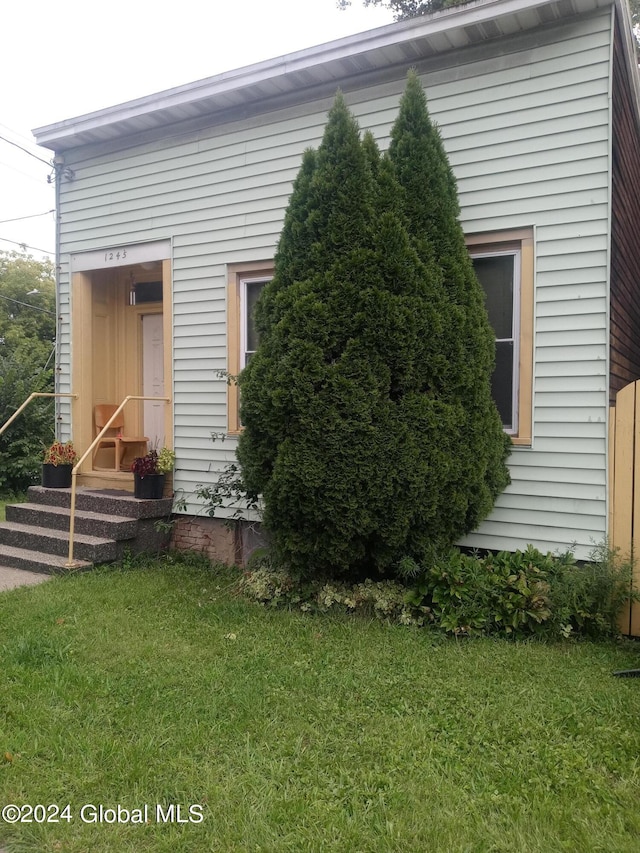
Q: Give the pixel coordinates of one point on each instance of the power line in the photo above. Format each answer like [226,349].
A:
[35,248]
[31,216]
[29,305]
[20,172]
[27,139]
[35,156]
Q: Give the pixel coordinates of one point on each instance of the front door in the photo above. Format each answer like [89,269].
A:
[153,378]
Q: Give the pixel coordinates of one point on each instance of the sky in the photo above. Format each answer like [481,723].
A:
[65,59]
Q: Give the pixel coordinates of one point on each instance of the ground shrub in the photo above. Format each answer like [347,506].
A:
[587,598]
[385,600]
[511,594]
[498,594]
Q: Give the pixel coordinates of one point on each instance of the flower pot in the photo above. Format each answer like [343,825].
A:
[148,488]
[56,476]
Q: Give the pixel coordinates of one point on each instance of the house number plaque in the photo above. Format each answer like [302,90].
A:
[115,256]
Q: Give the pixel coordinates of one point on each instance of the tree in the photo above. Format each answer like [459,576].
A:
[27,336]
[352,430]
[27,322]
[408,8]
[403,9]
[634,6]
[430,203]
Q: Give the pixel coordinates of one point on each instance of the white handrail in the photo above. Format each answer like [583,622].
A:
[71,563]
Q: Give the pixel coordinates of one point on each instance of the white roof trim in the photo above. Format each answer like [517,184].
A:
[77,131]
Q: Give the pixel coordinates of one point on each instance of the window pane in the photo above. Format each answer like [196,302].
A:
[253,290]
[502,382]
[495,274]
[147,291]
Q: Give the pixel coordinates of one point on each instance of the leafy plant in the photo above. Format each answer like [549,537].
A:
[228,490]
[21,444]
[526,592]
[60,454]
[154,462]
[588,598]
[166,461]
[504,593]
[384,600]
[147,465]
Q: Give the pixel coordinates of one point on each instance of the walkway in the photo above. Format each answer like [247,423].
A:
[11,578]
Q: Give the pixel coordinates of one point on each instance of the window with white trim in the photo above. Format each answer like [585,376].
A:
[499,275]
[244,285]
[504,266]
[250,290]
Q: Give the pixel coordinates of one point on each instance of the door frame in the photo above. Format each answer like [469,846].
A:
[84,361]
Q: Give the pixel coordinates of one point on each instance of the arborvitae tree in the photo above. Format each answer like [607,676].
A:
[350,433]
[430,202]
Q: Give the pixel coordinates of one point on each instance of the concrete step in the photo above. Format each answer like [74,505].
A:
[35,561]
[56,542]
[104,501]
[57,517]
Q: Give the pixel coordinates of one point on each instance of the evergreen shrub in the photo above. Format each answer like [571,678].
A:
[370,431]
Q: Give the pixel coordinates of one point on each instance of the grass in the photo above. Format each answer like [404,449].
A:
[157,684]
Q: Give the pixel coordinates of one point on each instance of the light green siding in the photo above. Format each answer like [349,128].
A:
[526,126]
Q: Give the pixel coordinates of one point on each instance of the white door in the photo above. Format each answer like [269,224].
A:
[153,378]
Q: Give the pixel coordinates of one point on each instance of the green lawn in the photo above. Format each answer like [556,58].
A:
[296,733]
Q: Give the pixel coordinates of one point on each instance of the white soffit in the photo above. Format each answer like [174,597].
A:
[396,44]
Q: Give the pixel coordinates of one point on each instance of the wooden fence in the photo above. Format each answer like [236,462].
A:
[624,489]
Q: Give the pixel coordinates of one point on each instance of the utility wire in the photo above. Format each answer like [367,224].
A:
[18,243]
[31,177]
[31,216]
[28,305]
[26,151]
[27,139]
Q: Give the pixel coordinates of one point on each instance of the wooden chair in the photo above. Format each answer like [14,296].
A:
[114,438]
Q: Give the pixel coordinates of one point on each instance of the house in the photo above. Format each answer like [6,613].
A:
[170,208]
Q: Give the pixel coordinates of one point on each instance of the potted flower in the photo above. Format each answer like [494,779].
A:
[57,465]
[149,473]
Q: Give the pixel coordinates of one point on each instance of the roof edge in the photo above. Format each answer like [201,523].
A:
[62,134]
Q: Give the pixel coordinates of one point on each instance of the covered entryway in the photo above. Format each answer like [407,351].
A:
[624,489]
[121,346]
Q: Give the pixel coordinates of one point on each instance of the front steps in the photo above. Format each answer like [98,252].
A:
[108,523]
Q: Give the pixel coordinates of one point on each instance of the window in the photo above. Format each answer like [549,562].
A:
[250,290]
[504,265]
[145,291]
[245,282]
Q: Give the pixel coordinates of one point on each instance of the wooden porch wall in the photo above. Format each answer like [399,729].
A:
[624,490]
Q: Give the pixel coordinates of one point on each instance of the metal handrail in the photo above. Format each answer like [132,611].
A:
[71,563]
[28,400]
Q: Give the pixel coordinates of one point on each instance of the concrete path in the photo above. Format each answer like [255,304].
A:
[11,578]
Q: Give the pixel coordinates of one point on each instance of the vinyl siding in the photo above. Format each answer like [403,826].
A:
[526,125]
